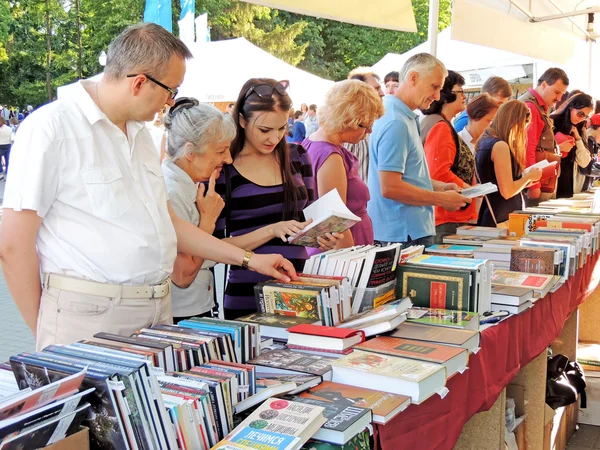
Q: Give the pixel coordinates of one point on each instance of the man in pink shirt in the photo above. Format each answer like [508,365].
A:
[552,85]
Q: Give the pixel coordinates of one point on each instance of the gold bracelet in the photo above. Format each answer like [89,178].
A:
[246,259]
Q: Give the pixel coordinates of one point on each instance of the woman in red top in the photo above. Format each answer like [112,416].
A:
[448,157]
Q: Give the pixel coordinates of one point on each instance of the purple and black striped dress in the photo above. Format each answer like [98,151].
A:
[252,207]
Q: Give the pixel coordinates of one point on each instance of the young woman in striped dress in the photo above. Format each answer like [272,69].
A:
[265,189]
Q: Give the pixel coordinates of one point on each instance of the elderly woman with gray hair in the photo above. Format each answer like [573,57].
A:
[197,147]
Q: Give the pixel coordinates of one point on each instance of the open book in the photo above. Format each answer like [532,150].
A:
[548,168]
[329,215]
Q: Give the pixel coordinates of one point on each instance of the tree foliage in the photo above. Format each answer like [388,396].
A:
[327,48]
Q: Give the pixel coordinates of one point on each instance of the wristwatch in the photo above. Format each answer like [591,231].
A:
[246,259]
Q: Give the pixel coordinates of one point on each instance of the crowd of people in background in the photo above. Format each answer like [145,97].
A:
[118,225]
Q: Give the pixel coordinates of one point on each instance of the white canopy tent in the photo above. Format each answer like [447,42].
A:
[532,29]
[392,15]
[220,68]
[475,62]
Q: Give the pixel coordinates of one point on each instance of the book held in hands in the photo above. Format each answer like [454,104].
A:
[329,214]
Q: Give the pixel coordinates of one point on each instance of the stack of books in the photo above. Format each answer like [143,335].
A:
[415,379]
[322,340]
[381,319]
[127,410]
[206,397]
[513,299]
[276,326]
[42,413]
[453,359]
[443,282]
[369,269]
[497,251]
[458,251]
[322,299]
[540,284]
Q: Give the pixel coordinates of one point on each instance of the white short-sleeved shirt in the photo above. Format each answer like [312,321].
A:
[101,194]
[198,297]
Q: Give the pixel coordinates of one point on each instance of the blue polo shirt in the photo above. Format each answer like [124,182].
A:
[461,121]
[395,146]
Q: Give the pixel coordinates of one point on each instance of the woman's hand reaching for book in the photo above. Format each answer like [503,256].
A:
[328,241]
[287,228]
[274,266]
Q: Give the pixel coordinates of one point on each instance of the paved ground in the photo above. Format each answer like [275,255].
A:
[15,336]
[587,437]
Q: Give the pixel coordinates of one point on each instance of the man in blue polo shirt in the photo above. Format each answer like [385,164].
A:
[402,193]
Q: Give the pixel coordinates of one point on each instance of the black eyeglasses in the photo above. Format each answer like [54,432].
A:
[264,90]
[172,92]
[581,114]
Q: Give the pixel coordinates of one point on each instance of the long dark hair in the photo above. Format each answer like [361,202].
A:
[246,106]
[562,117]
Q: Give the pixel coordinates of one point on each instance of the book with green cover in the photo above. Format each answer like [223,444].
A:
[465,320]
[434,288]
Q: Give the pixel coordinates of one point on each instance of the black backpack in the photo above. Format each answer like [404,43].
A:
[564,381]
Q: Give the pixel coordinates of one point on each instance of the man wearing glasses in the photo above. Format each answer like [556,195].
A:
[86,203]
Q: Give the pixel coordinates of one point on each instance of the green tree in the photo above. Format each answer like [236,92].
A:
[230,19]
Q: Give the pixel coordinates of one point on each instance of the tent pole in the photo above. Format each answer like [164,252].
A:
[590,44]
[434,12]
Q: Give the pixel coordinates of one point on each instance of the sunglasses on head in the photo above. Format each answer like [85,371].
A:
[183,103]
[264,90]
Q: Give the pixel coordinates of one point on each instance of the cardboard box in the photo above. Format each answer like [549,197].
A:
[560,425]
[77,441]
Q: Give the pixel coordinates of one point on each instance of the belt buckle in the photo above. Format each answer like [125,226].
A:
[154,286]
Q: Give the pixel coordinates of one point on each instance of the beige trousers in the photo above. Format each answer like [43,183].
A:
[66,317]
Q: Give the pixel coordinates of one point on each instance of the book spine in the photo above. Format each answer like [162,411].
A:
[260,298]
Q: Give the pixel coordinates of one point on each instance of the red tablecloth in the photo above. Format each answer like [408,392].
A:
[505,348]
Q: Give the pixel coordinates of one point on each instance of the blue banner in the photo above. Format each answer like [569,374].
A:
[187,6]
[159,12]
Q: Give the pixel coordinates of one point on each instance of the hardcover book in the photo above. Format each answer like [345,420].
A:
[417,379]
[328,338]
[300,301]
[329,214]
[275,325]
[385,406]
[344,420]
[387,311]
[455,359]
[472,230]
[278,424]
[433,288]
[446,336]
[520,279]
[377,279]
[532,260]
[287,361]
[443,317]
